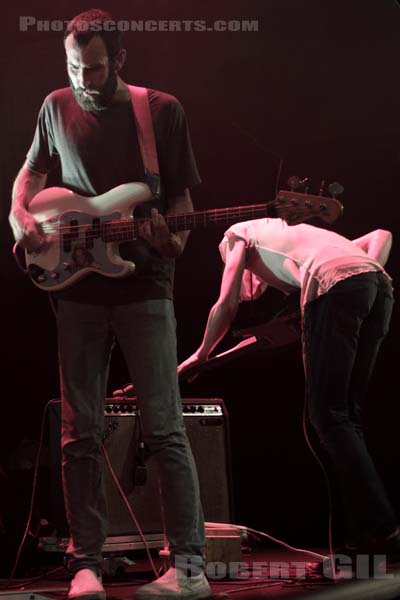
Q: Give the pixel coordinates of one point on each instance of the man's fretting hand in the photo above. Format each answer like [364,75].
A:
[155,231]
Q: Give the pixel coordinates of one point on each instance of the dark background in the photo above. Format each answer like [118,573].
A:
[316,86]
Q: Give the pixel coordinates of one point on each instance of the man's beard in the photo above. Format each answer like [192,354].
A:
[101,99]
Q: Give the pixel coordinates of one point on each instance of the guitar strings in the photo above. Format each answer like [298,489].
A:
[131,225]
[126,225]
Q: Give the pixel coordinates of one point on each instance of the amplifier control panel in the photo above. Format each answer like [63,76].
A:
[127,407]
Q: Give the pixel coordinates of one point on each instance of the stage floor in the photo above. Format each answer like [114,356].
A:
[263,573]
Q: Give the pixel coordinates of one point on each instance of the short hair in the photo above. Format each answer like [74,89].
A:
[95,22]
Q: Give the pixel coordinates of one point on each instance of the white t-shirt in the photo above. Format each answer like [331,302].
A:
[289,257]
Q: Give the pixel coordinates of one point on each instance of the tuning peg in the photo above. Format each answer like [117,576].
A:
[335,188]
[294,183]
[305,184]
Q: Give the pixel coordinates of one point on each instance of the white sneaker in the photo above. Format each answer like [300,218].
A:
[175,585]
[86,585]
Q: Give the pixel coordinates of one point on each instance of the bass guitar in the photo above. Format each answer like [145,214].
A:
[85,232]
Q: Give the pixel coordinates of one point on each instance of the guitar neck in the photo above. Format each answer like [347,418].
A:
[293,207]
[128,229]
[217,216]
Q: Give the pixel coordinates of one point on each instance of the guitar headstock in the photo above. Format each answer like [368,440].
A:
[297,207]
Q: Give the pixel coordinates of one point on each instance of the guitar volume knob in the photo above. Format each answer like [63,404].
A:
[37,273]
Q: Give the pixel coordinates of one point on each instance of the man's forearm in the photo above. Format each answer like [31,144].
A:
[376,244]
[177,205]
[219,320]
[27,184]
[25,228]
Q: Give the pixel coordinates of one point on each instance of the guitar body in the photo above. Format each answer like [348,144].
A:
[74,224]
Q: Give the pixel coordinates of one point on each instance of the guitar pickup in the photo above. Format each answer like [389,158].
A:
[71,235]
[92,233]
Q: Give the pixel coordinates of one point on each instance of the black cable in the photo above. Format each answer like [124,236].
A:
[35,474]
[278,176]
[251,587]
[129,508]
[140,474]
[24,582]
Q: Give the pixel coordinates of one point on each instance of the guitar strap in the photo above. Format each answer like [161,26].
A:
[147,140]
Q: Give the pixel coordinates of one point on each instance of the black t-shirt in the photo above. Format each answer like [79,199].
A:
[98,152]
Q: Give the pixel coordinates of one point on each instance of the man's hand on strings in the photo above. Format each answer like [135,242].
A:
[155,231]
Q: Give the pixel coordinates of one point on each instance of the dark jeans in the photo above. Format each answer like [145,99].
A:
[342,333]
[146,334]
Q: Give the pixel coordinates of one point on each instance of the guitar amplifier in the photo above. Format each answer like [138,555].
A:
[206,422]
